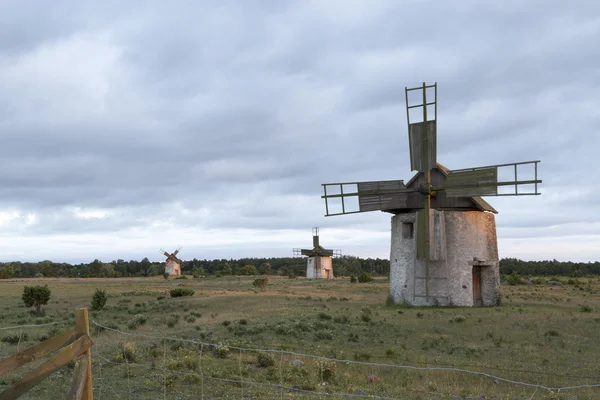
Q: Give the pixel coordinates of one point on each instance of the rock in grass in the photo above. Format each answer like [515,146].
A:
[372,379]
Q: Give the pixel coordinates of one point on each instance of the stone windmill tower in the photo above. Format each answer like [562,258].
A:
[172,264]
[443,248]
[319,264]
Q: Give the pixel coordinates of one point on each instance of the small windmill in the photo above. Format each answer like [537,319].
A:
[172,264]
[433,190]
[319,264]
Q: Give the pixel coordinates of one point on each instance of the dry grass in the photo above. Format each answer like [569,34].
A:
[541,334]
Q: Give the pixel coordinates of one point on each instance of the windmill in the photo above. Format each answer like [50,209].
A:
[453,222]
[172,264]
[319,264]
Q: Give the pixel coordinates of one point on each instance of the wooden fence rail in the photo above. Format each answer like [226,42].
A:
[74,344]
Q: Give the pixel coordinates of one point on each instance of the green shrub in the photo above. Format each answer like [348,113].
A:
[514,278]
[98,300]
[181,277]
[126,353]
[265,360]
[352,279]
[324,316]
[260,283]
[221,351]
[166,275]
[365,277]
[326,370]
[15,338]
[137,320]
[180,292]
[198,272]
[36,296]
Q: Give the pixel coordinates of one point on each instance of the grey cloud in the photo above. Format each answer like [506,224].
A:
[238,113]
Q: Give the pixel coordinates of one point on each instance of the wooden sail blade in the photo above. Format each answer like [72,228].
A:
[307,252]
[478,182]
[422,134]
[484,181]
[365,196]
[417,140]
[325,252]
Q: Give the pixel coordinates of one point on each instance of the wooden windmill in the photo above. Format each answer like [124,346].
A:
[319,264]
[435,196]
[172,264]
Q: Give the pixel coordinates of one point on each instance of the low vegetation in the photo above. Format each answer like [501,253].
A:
[543,333]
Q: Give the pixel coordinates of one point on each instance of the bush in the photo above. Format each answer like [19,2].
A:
[324,316]
[221,351]
[265,360]
[126,353]
[365,277]
[326,370]
[98,300]
[36,296]
[137,320]
[166,275]
[198,272]
[260,283]
[514,278]
[15,338]
[180,292]
[352,279]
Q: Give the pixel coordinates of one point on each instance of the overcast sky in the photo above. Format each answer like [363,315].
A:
[130,126]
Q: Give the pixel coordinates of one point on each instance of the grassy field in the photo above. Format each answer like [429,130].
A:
[541,334]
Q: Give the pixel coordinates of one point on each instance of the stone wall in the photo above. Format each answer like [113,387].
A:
[467,235]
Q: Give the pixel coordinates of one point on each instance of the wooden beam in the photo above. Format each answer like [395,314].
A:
[61,359]
[79,379]
[38,351]
[82,326]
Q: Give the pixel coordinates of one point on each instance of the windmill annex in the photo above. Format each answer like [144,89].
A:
[444,248]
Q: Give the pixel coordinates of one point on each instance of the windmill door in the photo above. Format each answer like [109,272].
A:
[477,299]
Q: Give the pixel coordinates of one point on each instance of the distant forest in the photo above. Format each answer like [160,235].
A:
[286,266]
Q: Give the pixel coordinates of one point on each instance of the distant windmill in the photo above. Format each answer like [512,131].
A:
[319,264]
[451,258]
[172,264]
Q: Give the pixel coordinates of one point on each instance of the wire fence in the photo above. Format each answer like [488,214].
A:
[225,374]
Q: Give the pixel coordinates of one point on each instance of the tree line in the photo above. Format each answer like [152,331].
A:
[549,268]
[286,266]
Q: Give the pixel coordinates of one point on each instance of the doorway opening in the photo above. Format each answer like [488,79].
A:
[477,298]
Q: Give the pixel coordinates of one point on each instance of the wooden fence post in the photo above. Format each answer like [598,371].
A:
[74,344]
[82,326]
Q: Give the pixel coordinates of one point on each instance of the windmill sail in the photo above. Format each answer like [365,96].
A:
[416,133]
[483,181]
[371,196]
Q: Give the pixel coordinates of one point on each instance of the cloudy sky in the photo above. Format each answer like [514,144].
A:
[130,126]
